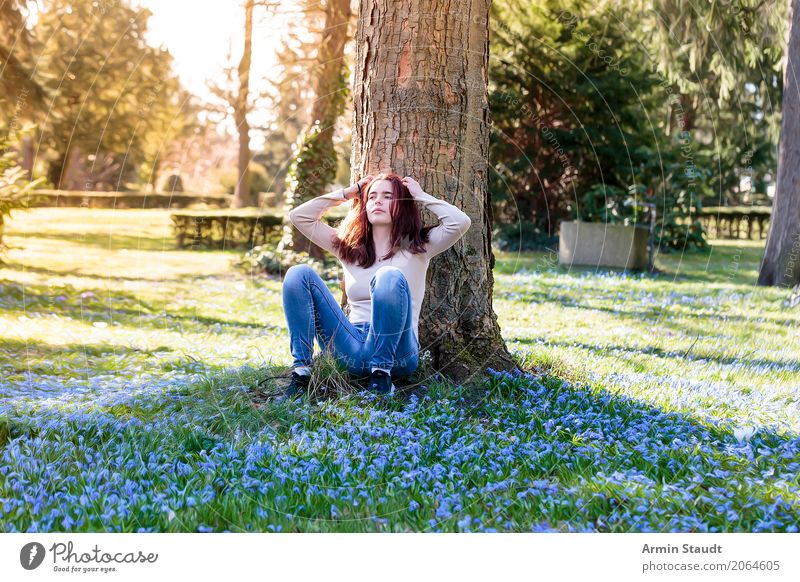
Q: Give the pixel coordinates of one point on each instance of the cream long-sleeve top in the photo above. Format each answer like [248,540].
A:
[454,224]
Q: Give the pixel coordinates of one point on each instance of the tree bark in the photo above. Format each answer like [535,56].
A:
[241,193]
[781,263]
[421,109]
[314,167]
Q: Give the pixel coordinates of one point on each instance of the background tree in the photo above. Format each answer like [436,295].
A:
[235,96]
[421,109]
[290,105]
[314,164]
[98,72]
[242,196]
[781,263]
[293,97]
[724,58]
[22,94]
[17,85]
[578,127]
[170,123]
[14,183]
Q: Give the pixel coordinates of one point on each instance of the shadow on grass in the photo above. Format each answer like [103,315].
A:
[112,242]
[120,306]
[118,242]
[53,351]
[256,394]
[727,262]
[656,313]
[19,358]
[675,450]
[77,272]
[657,352]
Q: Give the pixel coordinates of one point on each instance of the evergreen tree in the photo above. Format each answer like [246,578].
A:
[578,131]
[314,164]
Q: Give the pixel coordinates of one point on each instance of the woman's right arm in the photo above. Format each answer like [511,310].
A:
[307,217]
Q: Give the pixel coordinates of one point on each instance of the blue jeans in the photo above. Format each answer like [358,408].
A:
[388,342]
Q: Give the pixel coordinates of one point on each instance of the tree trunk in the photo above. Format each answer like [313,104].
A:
[154,170]
[57,168]
[781,263]
[63,170]
[28,154]
[75,176]
[241,193]
[314,166]
[421,109]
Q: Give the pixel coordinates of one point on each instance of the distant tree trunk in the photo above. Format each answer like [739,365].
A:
[56,169]
[61,170]
[154,170]
[241,193]
[75,176]
[27,154]
[314,165]
[421,109]
[781,263]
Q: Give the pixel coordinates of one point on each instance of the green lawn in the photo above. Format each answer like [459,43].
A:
[668,402]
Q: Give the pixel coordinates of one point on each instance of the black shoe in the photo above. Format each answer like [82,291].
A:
[381,383]
[298,387]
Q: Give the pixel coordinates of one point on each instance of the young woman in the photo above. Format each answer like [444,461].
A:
[384,252]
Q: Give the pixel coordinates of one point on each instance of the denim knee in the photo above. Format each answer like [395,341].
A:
[387,277]
[296,274]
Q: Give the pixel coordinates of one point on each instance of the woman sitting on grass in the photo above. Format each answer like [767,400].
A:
[384,252]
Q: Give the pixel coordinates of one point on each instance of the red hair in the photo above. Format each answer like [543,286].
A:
[354,242]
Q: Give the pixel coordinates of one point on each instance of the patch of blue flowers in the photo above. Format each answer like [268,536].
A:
[524,453]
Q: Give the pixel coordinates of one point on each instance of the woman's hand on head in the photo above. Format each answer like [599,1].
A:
[413,186]
[351,191]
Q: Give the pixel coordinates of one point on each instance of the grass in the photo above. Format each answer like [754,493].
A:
[128,399]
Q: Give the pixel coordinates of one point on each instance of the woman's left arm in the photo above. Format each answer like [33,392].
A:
[454,223]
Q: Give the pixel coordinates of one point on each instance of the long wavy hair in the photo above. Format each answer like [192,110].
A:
[354,242]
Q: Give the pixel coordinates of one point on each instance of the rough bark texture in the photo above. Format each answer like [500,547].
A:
[314,167]
[421,109]
[241,193]
[781,264]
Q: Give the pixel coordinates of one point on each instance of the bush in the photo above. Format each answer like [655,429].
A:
[522,236]
[266,259]
[14,184]
[676,224]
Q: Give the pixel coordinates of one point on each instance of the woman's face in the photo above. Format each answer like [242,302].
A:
[379,202]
